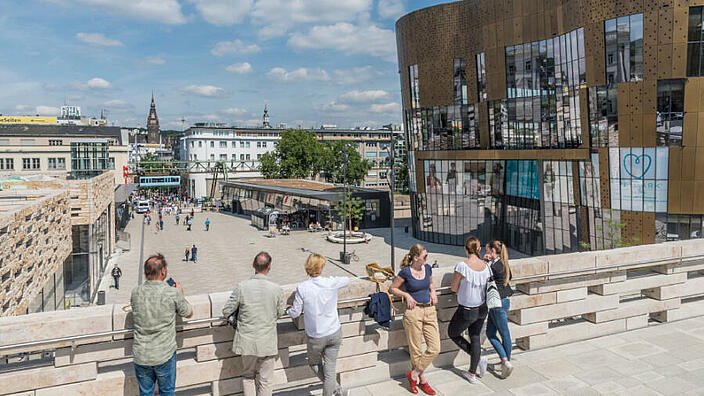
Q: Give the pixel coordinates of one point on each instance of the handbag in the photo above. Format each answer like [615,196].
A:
[493,298]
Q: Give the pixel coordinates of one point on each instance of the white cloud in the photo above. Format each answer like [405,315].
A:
[223,12]
[278,16]
[348,38]
[233,111]
[204,90]
[47,110]
[95,83]
[386,108]
[117,104]
[355,75]
[154,60]
[390,9]
[51,87]
[334,106]
[211,117]
[370,96]
[164,11]
[234,47]
[22,107]
[98,39]
[301,74]
[240,68]
[98,83]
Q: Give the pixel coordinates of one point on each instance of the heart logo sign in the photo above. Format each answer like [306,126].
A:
[638,165]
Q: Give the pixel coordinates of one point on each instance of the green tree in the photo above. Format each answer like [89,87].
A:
[401,183]
[331,163]
[354,210]
[296,156]
[149,164]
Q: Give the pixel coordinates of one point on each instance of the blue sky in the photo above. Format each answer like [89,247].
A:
[313,61]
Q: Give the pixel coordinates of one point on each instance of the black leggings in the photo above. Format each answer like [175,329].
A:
[471,319]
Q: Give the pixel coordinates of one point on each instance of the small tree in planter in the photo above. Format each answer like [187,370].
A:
[355,209]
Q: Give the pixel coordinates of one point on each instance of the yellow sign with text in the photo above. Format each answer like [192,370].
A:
[27,120]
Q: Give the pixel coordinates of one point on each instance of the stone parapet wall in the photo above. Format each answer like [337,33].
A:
[560,299]
[35,240]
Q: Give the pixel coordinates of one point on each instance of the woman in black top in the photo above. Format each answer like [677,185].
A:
[497,256]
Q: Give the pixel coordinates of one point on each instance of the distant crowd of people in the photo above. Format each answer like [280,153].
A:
[255,305]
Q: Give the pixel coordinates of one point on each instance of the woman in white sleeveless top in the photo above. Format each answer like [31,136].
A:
[469,282]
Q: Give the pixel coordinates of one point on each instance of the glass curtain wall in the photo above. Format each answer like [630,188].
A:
[694,42]
[542,82]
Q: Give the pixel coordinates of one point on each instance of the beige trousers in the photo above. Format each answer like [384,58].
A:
[258,375]
[422,323]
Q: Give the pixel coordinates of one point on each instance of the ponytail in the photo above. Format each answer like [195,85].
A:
[502,251]
[415,251]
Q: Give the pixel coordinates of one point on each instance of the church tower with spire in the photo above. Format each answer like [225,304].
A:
[152,124]
[265,118]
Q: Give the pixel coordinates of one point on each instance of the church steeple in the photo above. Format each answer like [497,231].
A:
[152,124]
[265,118]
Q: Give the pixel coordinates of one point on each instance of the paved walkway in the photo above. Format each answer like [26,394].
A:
[225,253]
[663,359]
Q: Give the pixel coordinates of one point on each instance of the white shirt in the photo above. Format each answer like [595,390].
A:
[317,297]
[472,291]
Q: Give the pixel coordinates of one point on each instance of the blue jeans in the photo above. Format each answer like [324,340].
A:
[498,321]
[117,281]
[164,373]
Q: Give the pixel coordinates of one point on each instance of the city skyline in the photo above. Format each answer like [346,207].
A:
[315,62]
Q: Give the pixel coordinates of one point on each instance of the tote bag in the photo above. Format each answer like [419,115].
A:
[493,298]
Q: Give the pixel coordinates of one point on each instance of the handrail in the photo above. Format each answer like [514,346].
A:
[348,301]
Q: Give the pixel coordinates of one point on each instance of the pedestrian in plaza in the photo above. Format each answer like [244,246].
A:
[259,304]
[497,257]
[420,321]
[192,212]
[207,224]
[187,253]
[116,274]
[178,217]
[469,282]
[161,224]
[317,298]
[194,253]
[189,223]
[149,220]
[154,308]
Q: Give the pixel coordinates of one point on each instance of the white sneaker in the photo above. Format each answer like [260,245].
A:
[506,369]
[469,377]
[483,363]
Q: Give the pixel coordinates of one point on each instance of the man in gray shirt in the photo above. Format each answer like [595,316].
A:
[260,303]
[155,305]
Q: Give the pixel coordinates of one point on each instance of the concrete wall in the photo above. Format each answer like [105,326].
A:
[35,240]
[587,295]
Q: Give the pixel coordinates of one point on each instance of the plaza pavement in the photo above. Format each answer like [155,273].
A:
[225,253]
[663,359]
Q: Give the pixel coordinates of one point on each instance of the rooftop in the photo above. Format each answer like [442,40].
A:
[61,131]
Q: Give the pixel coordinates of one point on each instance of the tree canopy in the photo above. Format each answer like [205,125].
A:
[299,155]
[333,158]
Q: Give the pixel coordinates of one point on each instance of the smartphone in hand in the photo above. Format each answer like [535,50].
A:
[171,282]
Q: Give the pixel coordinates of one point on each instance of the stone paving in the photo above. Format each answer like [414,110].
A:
[225,253]
[663,359]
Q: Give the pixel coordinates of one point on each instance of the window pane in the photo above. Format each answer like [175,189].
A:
[695,24]
[693,58]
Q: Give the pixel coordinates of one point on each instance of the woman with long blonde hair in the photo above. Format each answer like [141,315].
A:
[469,282]
[497,258]
[420,320]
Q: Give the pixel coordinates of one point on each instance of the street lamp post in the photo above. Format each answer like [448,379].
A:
[392,181]
[344,205]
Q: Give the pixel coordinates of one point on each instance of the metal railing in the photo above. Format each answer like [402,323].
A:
[581,271]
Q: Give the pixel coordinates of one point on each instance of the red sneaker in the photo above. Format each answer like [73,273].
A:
[413,385]
[425,387]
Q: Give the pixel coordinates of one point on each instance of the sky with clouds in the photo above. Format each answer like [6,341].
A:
[314,61]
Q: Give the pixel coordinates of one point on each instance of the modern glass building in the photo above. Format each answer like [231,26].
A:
[555,125]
